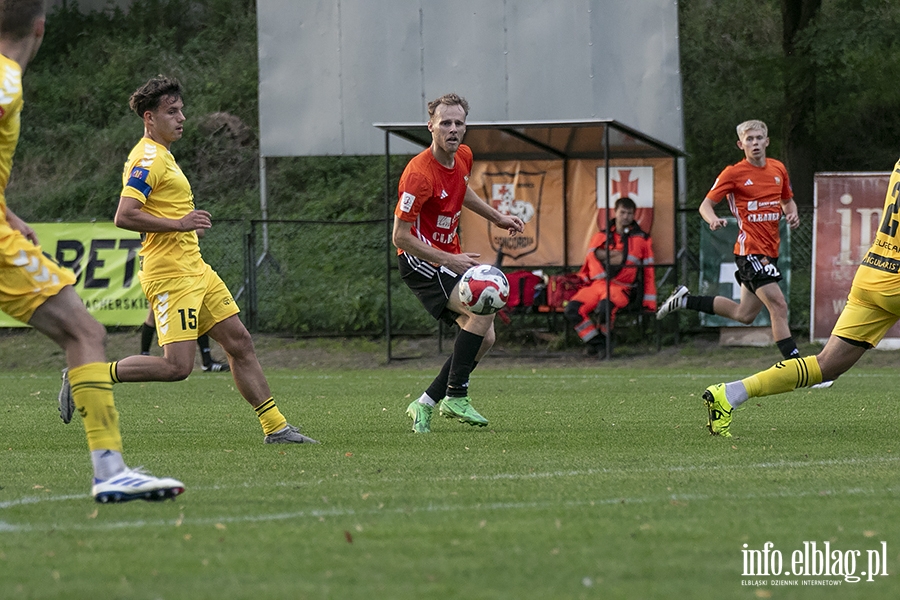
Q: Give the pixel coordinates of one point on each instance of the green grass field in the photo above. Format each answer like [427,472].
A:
[590,482]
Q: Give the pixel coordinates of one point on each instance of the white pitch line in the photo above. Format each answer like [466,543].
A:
[316,513]
[489,507]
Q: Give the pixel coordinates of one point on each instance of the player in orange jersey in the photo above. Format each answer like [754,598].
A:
[433,190]
[759,194]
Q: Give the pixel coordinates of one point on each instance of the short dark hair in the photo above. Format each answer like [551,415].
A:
[626,202]
[449,100]
[17,17]
[148,96]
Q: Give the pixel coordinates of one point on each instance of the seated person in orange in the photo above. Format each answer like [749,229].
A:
[617,253]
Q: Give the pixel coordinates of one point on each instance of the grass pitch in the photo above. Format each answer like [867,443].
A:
[589,482]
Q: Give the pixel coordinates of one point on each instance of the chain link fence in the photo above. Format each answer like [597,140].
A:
[327,278]
[687,270]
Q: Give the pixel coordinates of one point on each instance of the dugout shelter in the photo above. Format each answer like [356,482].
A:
[562,178]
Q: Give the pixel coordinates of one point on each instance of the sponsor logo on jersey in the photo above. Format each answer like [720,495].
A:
[748,182]
[406,202]
[753,205]
[444,221]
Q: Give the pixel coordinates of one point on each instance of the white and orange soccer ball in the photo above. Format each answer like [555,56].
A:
[484,289]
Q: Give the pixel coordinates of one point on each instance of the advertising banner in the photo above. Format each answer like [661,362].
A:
[717,269]
[848,208]
[531,190]
[559,218]
[105,261]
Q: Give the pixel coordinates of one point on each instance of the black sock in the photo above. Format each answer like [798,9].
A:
[700,304]
[788,347]
[438,388]
[465,349]
[147,332]
[205,356]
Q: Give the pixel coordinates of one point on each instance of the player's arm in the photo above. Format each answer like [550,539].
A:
[404,239]
[130,216]
[708,212]
[474,203]
[21,226]
[789,208]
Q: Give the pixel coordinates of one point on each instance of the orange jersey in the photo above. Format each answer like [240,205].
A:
[754,196]
[431,197]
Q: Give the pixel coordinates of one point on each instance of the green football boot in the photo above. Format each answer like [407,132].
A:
[719,421]
[461,408]
[421,416]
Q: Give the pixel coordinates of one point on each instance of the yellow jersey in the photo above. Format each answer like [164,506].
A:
[10,114]
[880,267]
[153,178]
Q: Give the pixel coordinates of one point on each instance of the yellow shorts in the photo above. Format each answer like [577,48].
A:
[28,277]
[868,316]
[187,307]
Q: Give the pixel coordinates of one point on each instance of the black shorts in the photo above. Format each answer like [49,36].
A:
[432,285]
[756,270]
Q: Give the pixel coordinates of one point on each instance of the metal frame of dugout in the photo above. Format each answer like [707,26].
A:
[564,141]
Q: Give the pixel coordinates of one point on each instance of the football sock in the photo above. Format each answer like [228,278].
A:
[465,349]
[736,393]
[438,387]
[702,304]
[113,367]
[107,463]
[270,417]
[205,355]
[426,400]
[788,347]
[147,332]
[93,397]
[784,376]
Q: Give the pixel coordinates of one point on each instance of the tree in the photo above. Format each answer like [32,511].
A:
[801,150]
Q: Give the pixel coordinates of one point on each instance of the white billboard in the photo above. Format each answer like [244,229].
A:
[329,69]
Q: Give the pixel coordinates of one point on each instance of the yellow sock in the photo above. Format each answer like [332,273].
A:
[113,375]
[270,417]
[784,376]
[92,393]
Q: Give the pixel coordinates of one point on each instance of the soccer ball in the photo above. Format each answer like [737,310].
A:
[484,289]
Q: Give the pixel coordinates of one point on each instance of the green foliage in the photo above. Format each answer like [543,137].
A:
[77,127]
[733,69]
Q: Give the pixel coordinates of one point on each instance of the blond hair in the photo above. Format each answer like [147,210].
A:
[449,100]
[746,126]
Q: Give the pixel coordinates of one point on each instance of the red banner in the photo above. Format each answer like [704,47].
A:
[848,208]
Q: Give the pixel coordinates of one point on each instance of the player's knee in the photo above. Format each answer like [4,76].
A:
[179,371]
[88,332]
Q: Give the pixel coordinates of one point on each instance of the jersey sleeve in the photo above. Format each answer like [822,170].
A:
[140,178]
[723,186]
[787,192]
[414,191]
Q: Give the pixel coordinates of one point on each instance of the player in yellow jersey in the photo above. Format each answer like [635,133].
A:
[187,297]
[37,291]
[872,308]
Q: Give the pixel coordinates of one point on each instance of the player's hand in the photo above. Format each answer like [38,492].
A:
[717,224]
[793,220]
[22,227]
[196,219]
[460,263]
[511,223]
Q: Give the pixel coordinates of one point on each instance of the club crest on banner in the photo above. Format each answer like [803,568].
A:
[517,194]
[633,182]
